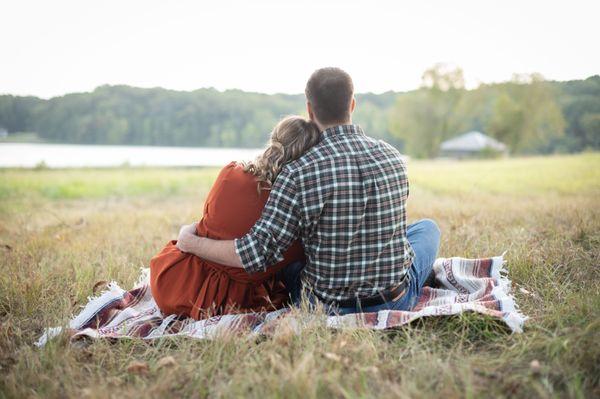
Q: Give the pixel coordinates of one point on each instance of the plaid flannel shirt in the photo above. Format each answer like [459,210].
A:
[346,200]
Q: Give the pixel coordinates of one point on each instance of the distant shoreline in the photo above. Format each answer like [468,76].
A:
[54,155]
[33,138]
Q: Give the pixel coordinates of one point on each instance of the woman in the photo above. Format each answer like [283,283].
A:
[186,285]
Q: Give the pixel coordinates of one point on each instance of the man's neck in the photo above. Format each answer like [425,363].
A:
[325,127]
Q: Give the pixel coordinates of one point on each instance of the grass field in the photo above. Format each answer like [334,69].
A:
[61,231]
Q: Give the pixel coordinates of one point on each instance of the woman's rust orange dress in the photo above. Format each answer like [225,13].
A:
[186,285]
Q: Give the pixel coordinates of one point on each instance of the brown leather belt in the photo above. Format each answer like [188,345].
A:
[388,295]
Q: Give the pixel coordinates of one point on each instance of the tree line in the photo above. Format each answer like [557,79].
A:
[528,113]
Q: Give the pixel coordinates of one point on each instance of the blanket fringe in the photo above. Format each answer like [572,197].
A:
[503,292]
[109,294]
[144,277]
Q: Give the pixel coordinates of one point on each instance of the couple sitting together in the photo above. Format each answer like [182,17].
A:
[321,215]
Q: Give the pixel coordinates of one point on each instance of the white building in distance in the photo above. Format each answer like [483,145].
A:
[472,144]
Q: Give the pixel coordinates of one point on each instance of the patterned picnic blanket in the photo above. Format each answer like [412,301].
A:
[467,285]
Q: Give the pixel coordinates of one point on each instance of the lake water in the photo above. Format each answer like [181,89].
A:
[24,155]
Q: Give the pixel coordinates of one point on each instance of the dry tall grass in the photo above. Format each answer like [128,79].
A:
[62,231]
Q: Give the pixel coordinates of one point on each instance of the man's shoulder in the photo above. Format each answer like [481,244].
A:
[310,158]
[391,150]
[374,145]
[328,150]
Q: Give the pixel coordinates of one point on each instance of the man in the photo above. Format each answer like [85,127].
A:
[346,200]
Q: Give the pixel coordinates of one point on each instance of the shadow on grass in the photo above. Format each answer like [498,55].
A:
[468,329]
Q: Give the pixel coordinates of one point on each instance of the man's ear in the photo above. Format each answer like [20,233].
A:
[311,116]
[352,105]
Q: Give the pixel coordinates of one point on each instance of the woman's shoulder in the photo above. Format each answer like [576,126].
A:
[234,177]
[235,170]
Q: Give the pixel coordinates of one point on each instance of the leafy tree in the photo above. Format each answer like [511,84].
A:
[423,119]
[526,114]
[580,100]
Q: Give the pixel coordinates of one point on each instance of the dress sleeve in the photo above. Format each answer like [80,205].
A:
[276,229]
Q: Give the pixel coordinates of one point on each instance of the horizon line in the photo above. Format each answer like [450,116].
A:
[479,84]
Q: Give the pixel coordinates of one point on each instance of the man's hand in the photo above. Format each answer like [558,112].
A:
[222,252]
[187,239]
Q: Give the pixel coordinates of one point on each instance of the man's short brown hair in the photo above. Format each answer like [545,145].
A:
[330,91]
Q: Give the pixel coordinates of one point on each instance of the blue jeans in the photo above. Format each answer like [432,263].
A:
[423,236]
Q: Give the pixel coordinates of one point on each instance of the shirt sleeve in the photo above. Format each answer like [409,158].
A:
[276,229]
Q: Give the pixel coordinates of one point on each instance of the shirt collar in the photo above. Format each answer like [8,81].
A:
[342,129]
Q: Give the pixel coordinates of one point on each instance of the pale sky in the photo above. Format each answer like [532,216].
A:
[49,48]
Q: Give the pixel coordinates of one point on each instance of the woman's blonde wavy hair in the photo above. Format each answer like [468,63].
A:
[290,139]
